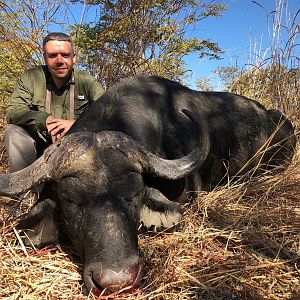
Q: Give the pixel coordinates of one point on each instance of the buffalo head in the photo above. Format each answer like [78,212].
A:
[99,200]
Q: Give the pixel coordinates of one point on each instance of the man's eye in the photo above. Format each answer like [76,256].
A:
[66,55]
[52,55]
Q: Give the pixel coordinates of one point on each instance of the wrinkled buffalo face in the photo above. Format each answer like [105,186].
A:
[100,214]
[101,199]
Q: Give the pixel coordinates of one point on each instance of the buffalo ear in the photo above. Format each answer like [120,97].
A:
[158,212]
[40,225]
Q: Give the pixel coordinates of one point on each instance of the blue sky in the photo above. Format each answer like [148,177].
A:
[243,21]
[243,25]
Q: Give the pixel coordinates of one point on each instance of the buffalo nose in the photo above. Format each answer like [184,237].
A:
[113,280]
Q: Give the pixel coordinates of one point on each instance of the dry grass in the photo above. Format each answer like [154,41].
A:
[238,242]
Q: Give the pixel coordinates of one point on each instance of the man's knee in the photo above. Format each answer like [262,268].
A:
[14,131]
[16,136]
[20,147]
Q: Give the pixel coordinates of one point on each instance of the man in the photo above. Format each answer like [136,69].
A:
[46,102]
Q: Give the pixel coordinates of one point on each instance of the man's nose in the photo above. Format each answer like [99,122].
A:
[59,59]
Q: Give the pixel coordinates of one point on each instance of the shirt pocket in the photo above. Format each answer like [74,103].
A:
[81,103]
[38,103]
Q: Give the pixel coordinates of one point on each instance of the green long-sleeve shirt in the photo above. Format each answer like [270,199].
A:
[27,102]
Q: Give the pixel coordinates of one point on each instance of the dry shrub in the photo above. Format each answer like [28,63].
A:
[236,242]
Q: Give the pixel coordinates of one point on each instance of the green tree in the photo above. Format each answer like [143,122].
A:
[204,84]
[144,37]
[23,24]
[227,75]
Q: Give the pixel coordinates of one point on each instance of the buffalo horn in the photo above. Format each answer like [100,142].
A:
[181,167]
[150,163]
[56,162]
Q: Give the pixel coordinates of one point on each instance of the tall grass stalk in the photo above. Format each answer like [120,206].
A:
[272,75]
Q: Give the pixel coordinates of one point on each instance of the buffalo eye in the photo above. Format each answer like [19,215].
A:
[132,185]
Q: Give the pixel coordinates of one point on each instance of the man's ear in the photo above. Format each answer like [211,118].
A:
[74,58]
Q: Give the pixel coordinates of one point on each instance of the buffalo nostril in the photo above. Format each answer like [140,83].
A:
[125,279]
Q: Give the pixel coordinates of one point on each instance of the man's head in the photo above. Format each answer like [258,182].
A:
[59,56]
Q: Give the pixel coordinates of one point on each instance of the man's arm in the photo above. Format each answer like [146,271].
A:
[21,109]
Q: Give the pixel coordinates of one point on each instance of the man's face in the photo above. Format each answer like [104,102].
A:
[60,58]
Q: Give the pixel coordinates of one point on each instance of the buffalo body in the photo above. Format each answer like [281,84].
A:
[131,158]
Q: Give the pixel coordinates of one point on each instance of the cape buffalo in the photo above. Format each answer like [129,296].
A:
[132,157]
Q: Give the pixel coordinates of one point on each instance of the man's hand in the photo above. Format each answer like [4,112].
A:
[57,128]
